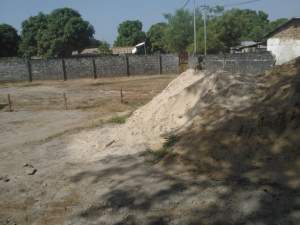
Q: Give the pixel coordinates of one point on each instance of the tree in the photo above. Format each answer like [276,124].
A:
[130,33]
[276,23]
[238,25]
[94,43]
[66,32]
[179,32]
[32,28]
[156,37]
[57,34]
[9,40]
[104,47]
[214,44]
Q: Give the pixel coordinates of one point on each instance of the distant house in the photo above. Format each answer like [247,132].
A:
[87,51]
[122,50]
[137,49]
[248,47]
[284,41]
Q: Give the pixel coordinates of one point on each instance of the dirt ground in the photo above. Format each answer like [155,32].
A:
[89,172]
[39,108]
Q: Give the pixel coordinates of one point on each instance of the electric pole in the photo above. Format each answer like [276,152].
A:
[205,30]
[195,29]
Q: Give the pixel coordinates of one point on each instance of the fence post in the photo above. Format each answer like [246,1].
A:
[64,69]
[9,103]
[29,70]
[121,95]
[65,101]
[94,68]
[127,65]
[160,63]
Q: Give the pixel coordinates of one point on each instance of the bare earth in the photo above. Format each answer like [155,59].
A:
[71,167]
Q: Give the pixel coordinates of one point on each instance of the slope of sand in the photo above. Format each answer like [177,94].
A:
[187,98]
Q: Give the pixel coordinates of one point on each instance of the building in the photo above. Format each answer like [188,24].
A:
[248,47]
[284,41]
[137,49]
[122,50]
[87,51]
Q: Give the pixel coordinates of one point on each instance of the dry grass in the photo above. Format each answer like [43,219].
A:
[102,94]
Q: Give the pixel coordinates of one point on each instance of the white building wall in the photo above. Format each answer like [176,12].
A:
[284,50]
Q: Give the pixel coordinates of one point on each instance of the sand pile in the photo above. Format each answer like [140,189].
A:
[187,98]
[252,139]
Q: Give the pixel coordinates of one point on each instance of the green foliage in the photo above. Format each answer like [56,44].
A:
[170,141]
[179,32]
[166,150]
[94,43]
[57,34]
[118,119]
[156,37]
[225,29]
[104,47]
[9,39]
[130,33]
[276,23]
[32,28]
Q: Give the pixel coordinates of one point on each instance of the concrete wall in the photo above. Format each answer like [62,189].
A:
[17,69]
[46,69]
[169,63]
[249,63]
[284,49]
[147,64]
[108,66]
[13,69]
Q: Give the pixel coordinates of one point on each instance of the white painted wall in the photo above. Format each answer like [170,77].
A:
[284,50]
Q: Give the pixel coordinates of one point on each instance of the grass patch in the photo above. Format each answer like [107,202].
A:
[118,119]
[155,156]
[170,141]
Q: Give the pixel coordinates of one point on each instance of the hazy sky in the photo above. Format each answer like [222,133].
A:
[105,15]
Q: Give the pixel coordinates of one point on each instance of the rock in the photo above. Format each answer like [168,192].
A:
[32,172]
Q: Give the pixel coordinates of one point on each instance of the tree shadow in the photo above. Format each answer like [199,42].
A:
[242,169]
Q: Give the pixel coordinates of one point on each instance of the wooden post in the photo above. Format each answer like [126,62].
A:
[121,95]
[160,64]
[29,70]
[64,69]
[94,69]
[9,103]
[65,101]
[127,65]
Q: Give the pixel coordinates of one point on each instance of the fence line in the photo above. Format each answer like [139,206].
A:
[19,69]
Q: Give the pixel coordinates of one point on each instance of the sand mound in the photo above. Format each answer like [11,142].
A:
[187,98]
[252,139]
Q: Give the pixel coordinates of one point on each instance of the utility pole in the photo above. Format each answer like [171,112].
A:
[195,29]
[205,30]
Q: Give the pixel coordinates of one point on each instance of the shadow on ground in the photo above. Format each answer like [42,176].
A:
[244,169]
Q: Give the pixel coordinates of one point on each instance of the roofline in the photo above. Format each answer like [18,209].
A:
[278,28]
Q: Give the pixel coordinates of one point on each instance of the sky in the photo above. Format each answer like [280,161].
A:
[106,15]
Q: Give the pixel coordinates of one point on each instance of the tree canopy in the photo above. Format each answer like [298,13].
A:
[179,32]
[63,31]
[156,37]
[9,39]
[104,47]
[225,29]
[57,34]
[32,28]
[130,33]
